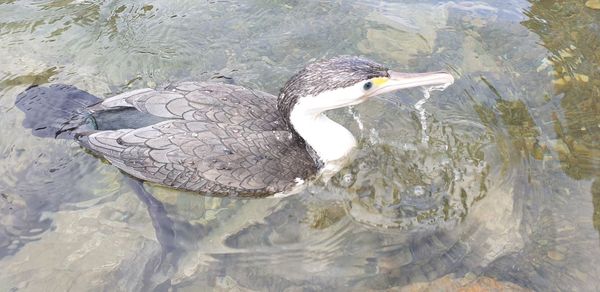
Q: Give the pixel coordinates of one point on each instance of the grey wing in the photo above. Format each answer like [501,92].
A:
[216,158]
[203,101]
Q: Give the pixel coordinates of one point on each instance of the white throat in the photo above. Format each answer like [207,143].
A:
[331,141]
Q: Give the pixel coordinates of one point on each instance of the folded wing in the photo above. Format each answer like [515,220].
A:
[204,101]
[221,139]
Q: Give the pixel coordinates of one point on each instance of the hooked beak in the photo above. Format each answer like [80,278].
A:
[397,80]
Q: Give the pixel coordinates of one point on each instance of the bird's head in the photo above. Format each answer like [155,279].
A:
[345,81]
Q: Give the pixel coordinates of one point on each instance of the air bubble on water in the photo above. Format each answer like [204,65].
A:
[374,136]
[457,175]
[419,191]
[348,178]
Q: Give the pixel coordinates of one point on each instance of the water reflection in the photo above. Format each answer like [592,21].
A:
[503,189]
[596,202]
[573,55]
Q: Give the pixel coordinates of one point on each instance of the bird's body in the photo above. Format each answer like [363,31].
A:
[218,138]
[222,139]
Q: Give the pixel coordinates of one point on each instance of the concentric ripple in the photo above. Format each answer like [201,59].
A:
[404,184]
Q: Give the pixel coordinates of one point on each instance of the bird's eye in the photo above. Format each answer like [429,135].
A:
[368,85]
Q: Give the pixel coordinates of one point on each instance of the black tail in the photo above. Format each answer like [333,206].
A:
[55,111]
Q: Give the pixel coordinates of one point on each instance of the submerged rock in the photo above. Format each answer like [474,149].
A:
[465,284]
[594,4]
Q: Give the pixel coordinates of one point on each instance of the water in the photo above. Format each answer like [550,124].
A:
[422,113]
[505,185]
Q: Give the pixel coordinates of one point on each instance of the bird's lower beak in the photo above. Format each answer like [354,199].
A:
[398,80]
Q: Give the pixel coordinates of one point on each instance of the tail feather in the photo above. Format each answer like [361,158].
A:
[56,111]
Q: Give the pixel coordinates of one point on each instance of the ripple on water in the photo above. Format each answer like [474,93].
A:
[408,185]
[447,206]
[402,212]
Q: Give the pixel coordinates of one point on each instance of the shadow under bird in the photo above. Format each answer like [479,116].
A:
[222,139]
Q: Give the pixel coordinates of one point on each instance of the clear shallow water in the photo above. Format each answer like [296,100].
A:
[507,186]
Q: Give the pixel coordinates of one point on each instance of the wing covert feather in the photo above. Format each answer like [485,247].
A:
[204,101]
[218,158]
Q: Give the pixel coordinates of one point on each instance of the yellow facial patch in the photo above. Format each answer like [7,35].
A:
[379,81]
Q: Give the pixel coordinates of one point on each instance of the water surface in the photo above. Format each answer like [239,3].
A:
[506,185]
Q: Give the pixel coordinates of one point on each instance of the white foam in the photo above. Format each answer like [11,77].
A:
[422,113]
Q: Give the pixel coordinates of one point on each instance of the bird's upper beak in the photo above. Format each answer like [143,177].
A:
[398,80]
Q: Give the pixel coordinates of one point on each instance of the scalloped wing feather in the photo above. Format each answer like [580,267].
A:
[224,140]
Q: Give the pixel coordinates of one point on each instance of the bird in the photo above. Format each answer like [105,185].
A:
[222,139]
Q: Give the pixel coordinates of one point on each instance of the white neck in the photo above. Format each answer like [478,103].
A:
[330,140]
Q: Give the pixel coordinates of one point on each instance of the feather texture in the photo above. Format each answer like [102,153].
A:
[218,139]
